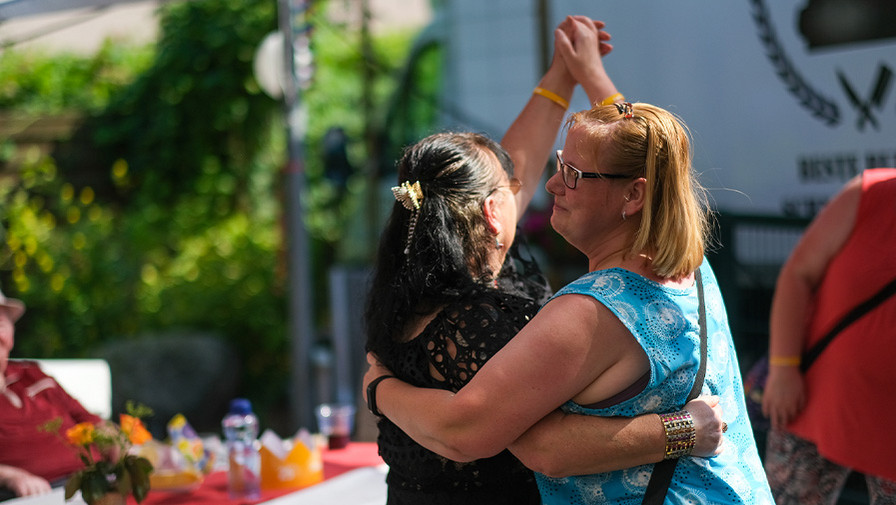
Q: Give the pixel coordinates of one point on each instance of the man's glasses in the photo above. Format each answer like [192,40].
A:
[571,174]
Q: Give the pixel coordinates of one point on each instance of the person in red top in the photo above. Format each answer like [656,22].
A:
[828,422]
[30,458]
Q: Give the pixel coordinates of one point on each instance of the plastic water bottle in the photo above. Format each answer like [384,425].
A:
[241,433]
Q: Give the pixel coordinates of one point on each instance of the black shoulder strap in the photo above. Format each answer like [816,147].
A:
[661,477]
[850,317]
[701,372]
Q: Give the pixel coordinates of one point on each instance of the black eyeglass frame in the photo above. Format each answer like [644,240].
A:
[581,174]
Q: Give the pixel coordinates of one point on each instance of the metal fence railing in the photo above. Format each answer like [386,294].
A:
[747,256]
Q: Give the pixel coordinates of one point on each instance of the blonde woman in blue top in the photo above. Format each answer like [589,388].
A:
[622,340]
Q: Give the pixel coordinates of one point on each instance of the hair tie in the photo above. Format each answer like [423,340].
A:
[409,196]
[625,108]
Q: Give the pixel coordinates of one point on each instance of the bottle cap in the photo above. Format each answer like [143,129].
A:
[240,406]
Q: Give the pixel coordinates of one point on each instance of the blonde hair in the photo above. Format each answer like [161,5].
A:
[653,144]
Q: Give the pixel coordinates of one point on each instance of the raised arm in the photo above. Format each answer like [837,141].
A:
[582,45]
[784,395]
[530,138]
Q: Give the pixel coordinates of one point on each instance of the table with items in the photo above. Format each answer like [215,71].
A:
[351,475]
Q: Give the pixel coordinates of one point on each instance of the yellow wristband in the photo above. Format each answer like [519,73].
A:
[612,99]
[554,97]
[784,360]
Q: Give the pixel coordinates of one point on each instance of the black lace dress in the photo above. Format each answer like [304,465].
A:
[446,355]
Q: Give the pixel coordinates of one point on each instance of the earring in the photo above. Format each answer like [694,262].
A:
[498,244]
[623,215]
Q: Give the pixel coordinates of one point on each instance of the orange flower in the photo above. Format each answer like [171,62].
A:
[134,429]
[80,434]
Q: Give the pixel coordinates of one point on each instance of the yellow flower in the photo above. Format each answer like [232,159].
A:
[80,434]
[134,429]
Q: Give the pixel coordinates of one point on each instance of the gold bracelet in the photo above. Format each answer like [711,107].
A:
[612,99]
[681,436]
[785,360]
[550,95]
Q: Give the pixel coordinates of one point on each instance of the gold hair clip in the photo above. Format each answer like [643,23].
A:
[625,108]
[410,195]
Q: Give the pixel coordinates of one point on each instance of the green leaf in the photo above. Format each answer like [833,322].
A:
[139,469]
[138,410]
[140,492]
[93,486]
[138,464]
[51,426]
[123,481]
[72,485]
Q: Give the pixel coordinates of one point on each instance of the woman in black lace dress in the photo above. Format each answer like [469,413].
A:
[436,314]
[451,287]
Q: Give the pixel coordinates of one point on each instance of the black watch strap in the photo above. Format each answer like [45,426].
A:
[371,394]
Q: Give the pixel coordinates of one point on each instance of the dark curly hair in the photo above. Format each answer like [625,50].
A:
[448,255]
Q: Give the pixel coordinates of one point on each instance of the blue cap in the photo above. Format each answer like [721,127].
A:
[240,406]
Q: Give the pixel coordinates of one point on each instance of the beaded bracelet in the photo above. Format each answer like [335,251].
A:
[680,434]
[612,99]
[550,95]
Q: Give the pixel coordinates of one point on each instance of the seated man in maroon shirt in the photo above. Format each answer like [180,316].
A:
[30,458]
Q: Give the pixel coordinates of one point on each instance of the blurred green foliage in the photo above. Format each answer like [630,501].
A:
[194,115]
[164,209]
[38,83]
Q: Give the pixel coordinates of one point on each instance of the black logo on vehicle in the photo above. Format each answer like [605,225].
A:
[827,25]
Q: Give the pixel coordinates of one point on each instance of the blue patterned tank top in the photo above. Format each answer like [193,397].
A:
[664,322]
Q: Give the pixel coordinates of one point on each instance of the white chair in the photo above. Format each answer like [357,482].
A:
[87,380]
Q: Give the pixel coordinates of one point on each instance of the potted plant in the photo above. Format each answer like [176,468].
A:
[110,472]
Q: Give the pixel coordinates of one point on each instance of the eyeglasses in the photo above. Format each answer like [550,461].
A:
[514,186]
[571,174]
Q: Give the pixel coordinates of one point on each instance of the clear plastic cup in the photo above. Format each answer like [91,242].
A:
[336,422]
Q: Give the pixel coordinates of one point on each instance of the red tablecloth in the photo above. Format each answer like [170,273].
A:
[214,488]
